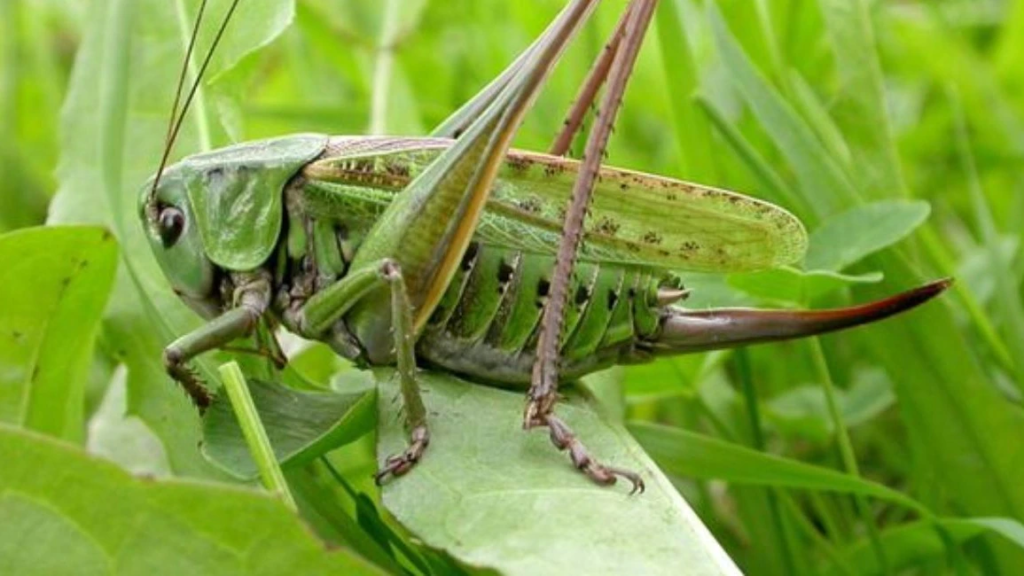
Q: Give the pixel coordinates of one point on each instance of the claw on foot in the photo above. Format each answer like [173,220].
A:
[564,439]
[607,475]
[398,464]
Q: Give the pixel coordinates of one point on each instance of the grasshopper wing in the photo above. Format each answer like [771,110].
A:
[641,219]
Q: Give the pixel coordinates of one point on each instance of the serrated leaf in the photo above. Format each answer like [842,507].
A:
[494,496]
[852,235]
[53,497]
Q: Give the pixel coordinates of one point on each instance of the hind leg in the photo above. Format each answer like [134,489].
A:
[625,45]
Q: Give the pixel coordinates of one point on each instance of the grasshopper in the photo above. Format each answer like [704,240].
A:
[458,253]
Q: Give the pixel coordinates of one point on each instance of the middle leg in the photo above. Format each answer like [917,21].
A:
[323,310]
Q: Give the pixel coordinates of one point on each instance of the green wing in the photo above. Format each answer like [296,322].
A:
[634,218]
[637,218]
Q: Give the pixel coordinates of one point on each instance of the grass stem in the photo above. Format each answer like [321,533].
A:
[846,454]
[255,435]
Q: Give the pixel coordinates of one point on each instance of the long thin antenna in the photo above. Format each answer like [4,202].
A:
[177,118]
[184,72]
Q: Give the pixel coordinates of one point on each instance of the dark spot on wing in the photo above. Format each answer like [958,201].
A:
[518,163]
[607,226]
[651,237]
[529,204]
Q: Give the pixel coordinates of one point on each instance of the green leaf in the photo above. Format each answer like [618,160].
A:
[793,286]
[698,162]
[492,495]
[113,125]
[803,410]
[54,284]
[300,425]
[916,543]
[849,25]
[685,453]
[824,184]
[850,236]
[55,498]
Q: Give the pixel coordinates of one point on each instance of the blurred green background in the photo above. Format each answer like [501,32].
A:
[845,112]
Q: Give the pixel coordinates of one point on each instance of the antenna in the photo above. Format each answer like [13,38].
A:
[176,119]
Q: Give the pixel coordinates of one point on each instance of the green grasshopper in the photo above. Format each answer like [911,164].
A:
[457,253]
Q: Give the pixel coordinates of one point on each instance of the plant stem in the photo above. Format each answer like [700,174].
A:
[812,533]
[754,415]
[846,453]
[385,57]
[255,435]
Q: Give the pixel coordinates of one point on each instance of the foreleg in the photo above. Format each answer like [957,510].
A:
[251,302]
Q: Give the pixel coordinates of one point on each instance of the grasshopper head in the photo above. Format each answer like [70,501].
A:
[170,225]
[222,211]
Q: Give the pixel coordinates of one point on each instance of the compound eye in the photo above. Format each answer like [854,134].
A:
[171,223]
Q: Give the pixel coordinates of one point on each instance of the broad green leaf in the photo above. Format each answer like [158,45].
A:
[492,495]
[320,506]
[794,286]
[68,513]
[54,283]
[850,236]
[685,453]
[300,425]
[113,125]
